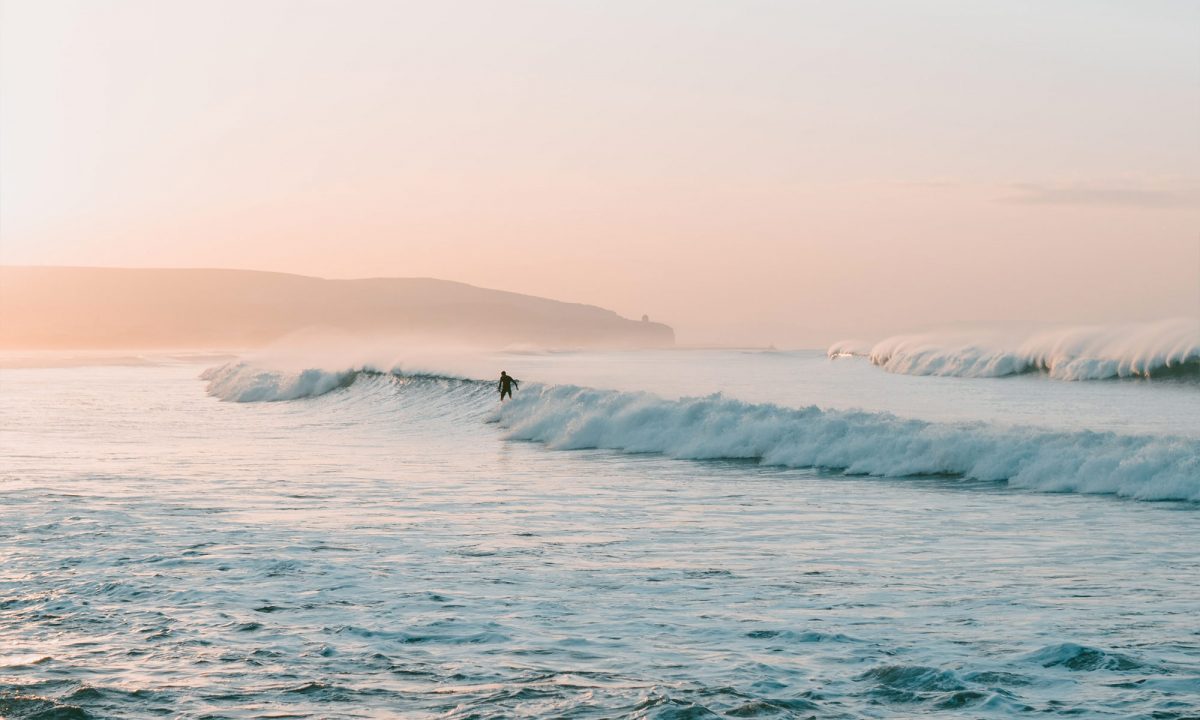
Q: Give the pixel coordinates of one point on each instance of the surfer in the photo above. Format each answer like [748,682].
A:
[506,385]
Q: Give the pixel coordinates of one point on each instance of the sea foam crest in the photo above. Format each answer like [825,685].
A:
[715,427]
[243,382]
[248,382]
[1082,353]
[855,442]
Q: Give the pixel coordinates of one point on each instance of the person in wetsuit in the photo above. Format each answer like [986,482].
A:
[506,385]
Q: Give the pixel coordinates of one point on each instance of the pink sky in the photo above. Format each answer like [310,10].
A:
[749,172]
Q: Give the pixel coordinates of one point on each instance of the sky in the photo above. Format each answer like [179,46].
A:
[750,172]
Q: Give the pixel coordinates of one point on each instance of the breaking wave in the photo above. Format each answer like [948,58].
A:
[719,428]
[855,442]
[245,382]
[240,382]
[1170,347]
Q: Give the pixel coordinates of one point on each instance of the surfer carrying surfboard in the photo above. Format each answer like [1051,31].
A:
[506,385]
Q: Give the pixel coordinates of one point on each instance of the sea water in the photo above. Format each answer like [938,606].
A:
[674,534]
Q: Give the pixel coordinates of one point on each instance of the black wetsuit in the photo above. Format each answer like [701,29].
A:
[507,383]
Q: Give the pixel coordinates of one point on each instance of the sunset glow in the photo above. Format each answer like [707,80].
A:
[822,169]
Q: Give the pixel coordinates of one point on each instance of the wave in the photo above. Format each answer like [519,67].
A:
[1169,347]
[241,382]
[247,383]
[854,443]
[1082,657]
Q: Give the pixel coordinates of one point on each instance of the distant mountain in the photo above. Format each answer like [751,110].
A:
[77,308]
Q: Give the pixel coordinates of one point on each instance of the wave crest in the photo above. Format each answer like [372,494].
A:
[1084,353]
[242,382]
[855,442]
[715,427]
[247,383]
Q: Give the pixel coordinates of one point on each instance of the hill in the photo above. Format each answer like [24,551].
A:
[78,308]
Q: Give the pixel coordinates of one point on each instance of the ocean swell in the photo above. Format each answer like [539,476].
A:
[567,417]
[1082,353]
[856,443]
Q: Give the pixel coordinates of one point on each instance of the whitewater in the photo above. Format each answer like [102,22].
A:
[661,534]
[1164,348]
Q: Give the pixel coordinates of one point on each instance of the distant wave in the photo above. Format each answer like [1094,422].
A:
[1170,347]
[711,428]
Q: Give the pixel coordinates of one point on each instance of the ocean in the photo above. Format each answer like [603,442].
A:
[657,534]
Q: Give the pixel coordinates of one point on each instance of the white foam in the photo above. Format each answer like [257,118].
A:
[716,427]
[243,382]
[1079,353]
[856,443]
